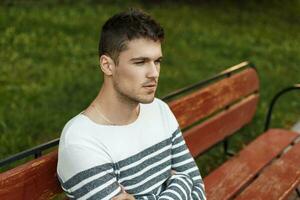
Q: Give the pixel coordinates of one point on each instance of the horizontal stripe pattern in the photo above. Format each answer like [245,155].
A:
[146,174]
[179,187]
[183,162]
[96,186]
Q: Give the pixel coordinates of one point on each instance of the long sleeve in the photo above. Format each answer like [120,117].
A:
[188,183]
[183,162]
[179,186]
[85,173]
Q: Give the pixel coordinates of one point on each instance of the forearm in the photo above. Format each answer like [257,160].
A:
[191,170]
[183,162]
[179,186]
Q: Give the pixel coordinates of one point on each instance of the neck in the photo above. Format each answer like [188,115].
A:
[119,111]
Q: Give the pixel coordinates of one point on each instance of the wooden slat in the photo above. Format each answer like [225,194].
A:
[200,104]
[229,178]
[215,129]
[278,180]
[36,179]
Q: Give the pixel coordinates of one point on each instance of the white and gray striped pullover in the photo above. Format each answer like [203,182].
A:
[94,160]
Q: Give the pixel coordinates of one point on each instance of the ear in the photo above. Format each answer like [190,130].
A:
[107,65]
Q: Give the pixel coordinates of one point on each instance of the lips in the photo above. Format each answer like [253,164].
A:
[150,87]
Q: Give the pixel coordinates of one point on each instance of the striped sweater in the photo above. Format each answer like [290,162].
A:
[148,157]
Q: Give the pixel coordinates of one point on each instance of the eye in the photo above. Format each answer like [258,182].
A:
[139,63]
[157,62]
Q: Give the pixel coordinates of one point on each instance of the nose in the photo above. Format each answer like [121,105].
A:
[153,70]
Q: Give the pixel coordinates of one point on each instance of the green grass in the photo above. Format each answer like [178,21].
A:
[49,66]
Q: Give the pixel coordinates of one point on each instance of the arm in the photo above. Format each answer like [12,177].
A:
[179,186]
[183,162]
[87,173]
[185,182]
[188,179]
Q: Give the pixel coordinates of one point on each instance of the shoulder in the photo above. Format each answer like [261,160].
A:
[161,108]
[157,104]
[157,108]
[73,130]
[164,107]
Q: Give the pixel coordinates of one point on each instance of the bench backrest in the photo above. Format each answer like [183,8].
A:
[207,116]
[220,108]
[36,179]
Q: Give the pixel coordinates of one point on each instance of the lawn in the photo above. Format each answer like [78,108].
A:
[49,64]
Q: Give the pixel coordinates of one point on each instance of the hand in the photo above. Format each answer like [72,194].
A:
[173,172]
[124,195]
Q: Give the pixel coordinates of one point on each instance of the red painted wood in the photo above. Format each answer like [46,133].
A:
[278,180]
[215,129]
[204,102]
[36,179]
[236,173]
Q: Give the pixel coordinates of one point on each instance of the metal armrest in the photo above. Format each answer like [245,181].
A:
[274,100]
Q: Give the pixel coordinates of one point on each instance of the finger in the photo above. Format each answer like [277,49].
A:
[123,189]
[123,196]
[118,197]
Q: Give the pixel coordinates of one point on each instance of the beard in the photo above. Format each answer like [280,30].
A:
[132,96]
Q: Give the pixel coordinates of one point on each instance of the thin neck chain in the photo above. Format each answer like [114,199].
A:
[103,117]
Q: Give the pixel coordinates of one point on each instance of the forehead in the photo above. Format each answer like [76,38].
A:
[142,48]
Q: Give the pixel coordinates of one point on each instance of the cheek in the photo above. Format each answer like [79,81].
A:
[129,78]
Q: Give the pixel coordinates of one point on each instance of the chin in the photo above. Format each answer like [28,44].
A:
[146,100]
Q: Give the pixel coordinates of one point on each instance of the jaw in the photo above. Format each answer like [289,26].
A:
[130,94]
[142,97]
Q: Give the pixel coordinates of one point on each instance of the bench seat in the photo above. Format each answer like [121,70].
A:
[278,180]
[234,175]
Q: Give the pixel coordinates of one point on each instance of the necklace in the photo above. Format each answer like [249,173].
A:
[105,118]
[102,116]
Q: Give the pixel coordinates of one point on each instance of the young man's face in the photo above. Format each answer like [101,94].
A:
[135,78]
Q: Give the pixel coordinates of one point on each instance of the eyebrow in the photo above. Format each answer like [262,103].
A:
[144,58]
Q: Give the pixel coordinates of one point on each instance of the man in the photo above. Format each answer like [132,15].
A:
[127,143]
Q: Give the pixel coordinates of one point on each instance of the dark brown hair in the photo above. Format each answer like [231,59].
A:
[124,27]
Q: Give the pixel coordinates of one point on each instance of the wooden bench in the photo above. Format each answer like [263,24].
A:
[209,112]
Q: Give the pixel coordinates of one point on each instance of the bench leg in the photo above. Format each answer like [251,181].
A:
[226,150]
[298,192]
